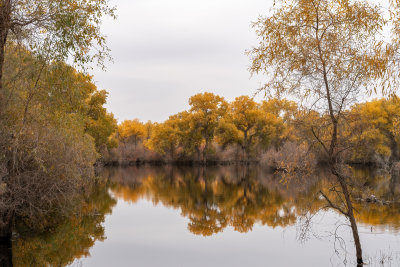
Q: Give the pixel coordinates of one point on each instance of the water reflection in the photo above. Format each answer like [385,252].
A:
[211,199]
[70,240]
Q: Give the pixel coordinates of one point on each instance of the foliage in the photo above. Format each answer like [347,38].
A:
[53,122]
[375,133]
[206,109]
[63,28]
[327,53]
[131,129]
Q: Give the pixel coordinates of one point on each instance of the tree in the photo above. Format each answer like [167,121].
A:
[375,127]
[248,119]
[131,129]
[190,136]
[100,124]
[164,138]
[207,109]
[285,110]
[48,138]
[54,29]
[253,125]
[248,125]
[325,52]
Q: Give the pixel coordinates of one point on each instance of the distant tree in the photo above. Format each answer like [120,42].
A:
[131,129]
[374,129]
[164,139]
[207,109]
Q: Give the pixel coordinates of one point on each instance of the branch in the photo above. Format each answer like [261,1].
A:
[333,205]
[319,140]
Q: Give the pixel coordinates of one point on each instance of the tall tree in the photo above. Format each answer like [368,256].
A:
[327,53]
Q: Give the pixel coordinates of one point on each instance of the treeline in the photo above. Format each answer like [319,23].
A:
[277,132]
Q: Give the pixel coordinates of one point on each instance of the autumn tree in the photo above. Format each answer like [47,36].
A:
[328,54]
[207,109]
[164,139]
[375,127]
[190,136]
[287,112]
[247,125]
[131,129]
[49,136]
[149,126]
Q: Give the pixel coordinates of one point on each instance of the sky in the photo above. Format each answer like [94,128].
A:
[165,51]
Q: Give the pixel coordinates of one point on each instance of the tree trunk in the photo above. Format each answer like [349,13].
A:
[350,215]
[332,150]
[205,150]
[5,20]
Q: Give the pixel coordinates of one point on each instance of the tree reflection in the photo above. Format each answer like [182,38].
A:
[69,240]
[240,197]
[213,199]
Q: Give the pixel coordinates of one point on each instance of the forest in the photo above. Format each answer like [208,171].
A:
[331,100]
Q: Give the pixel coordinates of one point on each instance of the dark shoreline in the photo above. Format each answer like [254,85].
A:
[122,163]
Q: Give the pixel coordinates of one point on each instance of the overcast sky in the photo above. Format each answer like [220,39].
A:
[168,50]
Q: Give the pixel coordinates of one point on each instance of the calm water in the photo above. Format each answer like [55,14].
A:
[217,217]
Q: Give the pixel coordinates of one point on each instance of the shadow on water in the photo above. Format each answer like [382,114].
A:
[5,253]
[61,244]
[211,199]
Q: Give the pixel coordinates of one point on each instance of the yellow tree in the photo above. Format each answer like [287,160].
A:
[100,124]
[375,129]
[190,136]
[326,52]
[131,129]
[149,126]
[253,125]
[164,139]
[287,111]
[207,109]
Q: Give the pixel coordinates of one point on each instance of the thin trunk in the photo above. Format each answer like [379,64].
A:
[332,153]
[245,145]
[350,215]
[198,152]
[394,148]
[172,150]
[205,150]
[5,20]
